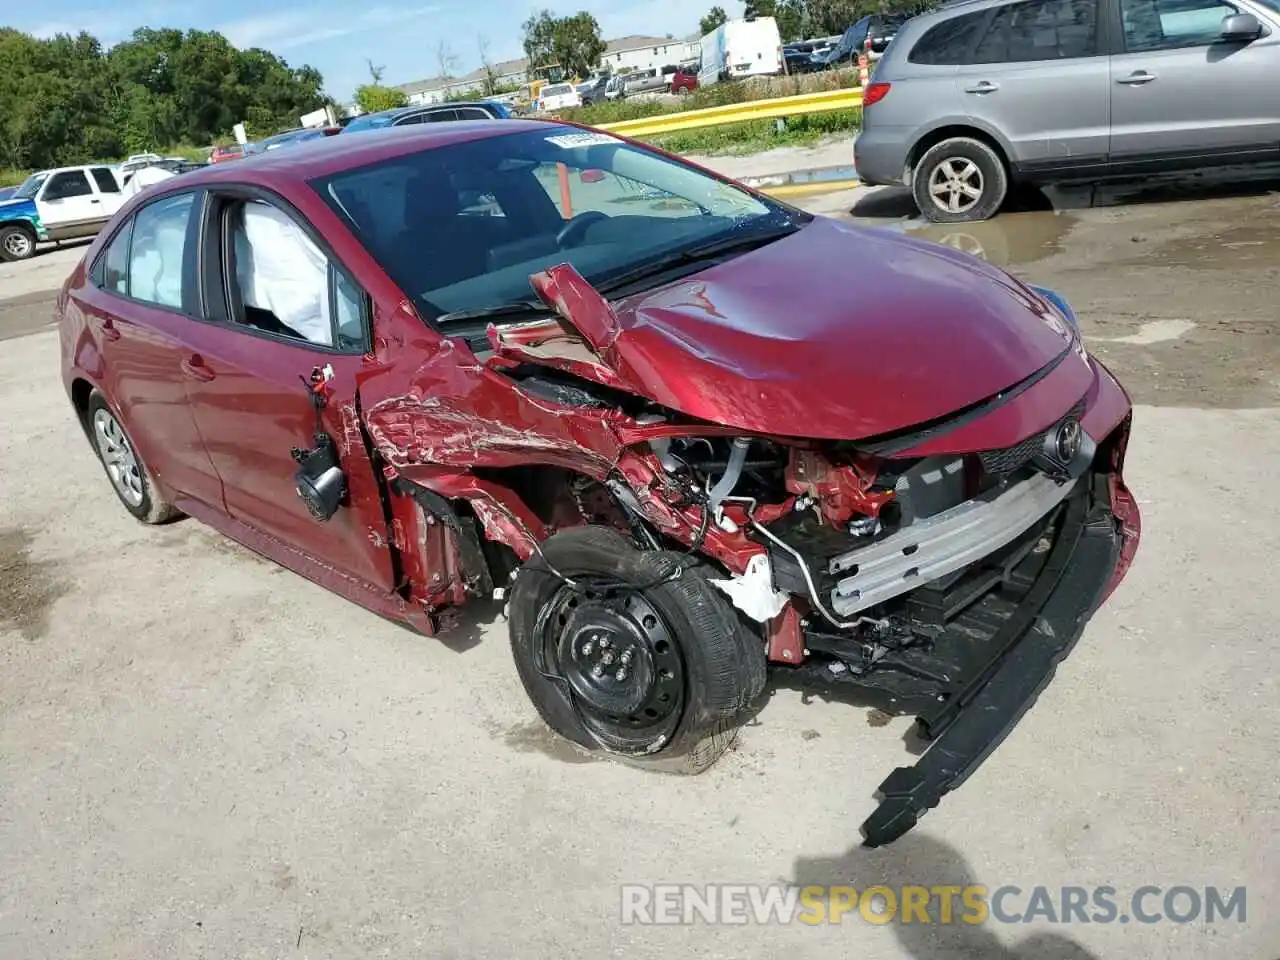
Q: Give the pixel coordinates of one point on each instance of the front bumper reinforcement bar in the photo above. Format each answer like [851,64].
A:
[969,726]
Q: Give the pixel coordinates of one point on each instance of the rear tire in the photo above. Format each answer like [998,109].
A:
[17,242]
[129,476]
[656,674]
[959,180]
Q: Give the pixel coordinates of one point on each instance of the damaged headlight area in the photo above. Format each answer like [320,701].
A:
[930,584]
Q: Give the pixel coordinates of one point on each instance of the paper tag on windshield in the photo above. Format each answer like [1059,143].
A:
[570,140]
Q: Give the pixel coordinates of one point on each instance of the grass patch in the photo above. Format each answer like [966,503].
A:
[749,137]
[9,177]
[755,136]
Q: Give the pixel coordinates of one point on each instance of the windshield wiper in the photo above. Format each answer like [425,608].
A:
[696,254]
[515,308]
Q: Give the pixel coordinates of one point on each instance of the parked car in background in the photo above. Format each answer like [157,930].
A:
[645,81]
[292,137]
[970,98]
[870,36]
[558,96]
[592,89]
[683,84]
[796,56]
[616,88]
[138,161]
[230,151]
[432,113]
[336,358]
[60,204]
[741,48]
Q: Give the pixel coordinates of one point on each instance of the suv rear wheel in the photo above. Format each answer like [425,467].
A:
[959,179]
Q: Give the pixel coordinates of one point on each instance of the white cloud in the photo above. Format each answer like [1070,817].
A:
[282,31]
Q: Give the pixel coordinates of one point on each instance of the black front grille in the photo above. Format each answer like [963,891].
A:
[998,463]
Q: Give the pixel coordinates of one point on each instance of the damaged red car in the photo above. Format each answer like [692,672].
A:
[631,399]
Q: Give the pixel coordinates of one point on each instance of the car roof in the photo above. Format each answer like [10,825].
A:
[78,166]
[415,107]
[330,155]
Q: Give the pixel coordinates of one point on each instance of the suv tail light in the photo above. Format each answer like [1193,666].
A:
[874,93]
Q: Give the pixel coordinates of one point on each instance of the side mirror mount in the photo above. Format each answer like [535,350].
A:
[1241,27]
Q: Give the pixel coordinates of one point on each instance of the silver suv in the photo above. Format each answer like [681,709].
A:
[985,92]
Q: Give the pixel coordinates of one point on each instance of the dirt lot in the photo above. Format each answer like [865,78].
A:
[202,755]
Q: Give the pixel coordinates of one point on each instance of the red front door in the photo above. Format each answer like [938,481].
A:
[252,406]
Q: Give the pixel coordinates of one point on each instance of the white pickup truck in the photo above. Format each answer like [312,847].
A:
[59,204]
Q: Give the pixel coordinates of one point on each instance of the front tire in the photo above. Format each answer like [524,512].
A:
[959,180]
[17,242]
[652,669]
[129,476]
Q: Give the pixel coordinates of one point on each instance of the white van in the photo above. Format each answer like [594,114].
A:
[741,48]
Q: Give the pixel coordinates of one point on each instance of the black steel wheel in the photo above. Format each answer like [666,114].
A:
[639,657]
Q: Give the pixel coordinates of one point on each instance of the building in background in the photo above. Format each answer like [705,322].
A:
[624,55]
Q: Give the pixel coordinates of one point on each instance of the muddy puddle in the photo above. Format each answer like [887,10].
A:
[28,588]
[1006,241]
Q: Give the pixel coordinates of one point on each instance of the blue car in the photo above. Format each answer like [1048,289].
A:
[435,113]
[290,138]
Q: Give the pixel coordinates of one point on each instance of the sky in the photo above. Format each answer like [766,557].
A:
[338,36]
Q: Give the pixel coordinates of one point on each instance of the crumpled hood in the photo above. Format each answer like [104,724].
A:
[836,332]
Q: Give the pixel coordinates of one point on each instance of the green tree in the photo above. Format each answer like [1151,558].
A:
[372,98]
[539,41]
[759,8]
[578,45]
[791,17]
[828,17]
[66,100]
[714,18]
[572,43]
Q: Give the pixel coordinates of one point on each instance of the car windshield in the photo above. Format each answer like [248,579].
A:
[462,227]
[30,187]
[368,121]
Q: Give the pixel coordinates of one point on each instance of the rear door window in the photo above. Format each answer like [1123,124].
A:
[472,113]
[105,180]
[157,250]
[949,43]
[440,116]
[1040,30]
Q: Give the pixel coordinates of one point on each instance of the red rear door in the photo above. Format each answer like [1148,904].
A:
[138,304]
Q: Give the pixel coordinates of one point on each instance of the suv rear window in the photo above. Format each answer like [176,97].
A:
[949,42]
[1040,30]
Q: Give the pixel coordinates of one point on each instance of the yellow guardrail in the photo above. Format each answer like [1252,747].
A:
[824,102]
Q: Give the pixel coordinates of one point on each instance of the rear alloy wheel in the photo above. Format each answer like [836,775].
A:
[959,180]
[16,243]
[631,660]
[128,474]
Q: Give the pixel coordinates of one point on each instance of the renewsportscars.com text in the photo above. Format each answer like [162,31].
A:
[939,904]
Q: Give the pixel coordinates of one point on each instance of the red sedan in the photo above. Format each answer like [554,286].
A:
[434,364]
